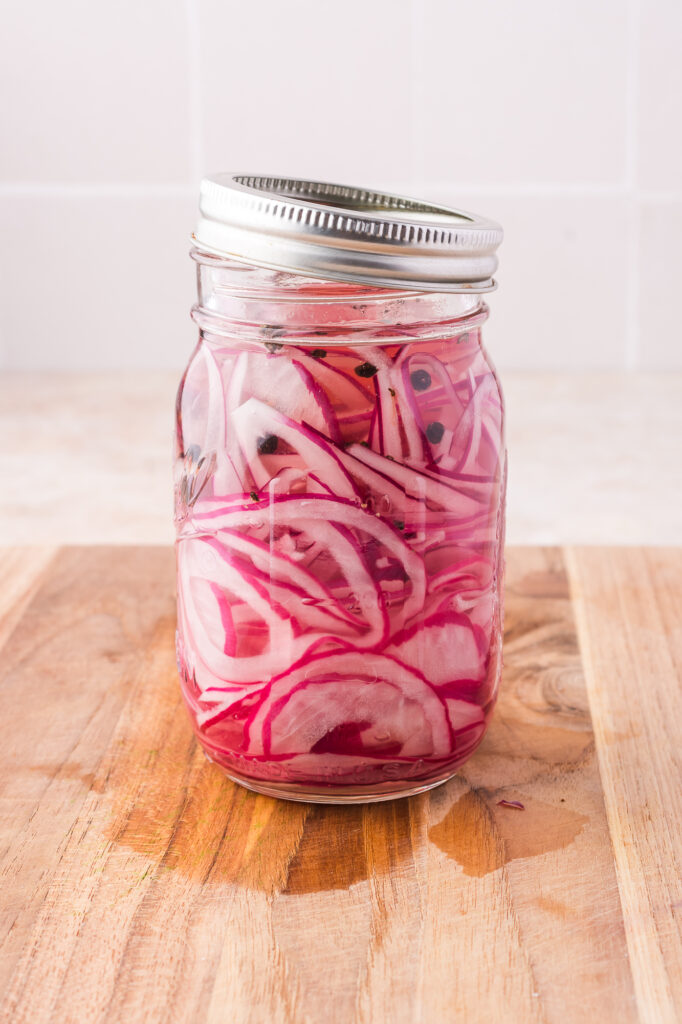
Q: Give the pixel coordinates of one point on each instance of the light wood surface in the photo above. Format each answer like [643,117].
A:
[99,444]
[139,885]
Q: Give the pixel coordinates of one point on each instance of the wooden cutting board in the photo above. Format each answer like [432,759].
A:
[138,884]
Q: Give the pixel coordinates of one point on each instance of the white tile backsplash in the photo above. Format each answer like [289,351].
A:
[660,331]
[305,91]
[563,264]
[90,282]
[659,111]
[563,121]
[94,92]
[523,92]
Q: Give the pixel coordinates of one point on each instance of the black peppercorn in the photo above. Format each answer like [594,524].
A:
[435,432]
[267,445]
[420,380]
[365,370]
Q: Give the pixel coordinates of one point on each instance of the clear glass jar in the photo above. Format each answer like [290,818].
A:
[339,494]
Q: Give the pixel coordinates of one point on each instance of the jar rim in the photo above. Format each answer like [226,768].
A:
[340,232]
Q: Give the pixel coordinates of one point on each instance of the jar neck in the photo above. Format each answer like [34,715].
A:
[239,300]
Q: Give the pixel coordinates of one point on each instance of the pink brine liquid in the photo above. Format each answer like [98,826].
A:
[339,517]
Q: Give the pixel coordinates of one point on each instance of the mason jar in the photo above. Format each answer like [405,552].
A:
[340,478]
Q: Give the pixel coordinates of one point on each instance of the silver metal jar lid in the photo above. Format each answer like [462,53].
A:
[344,233]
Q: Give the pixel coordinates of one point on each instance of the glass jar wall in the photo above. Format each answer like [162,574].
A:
[339,501]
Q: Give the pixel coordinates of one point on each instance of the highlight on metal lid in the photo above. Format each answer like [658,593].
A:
[345,233]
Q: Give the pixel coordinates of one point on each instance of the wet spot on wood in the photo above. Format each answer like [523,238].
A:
[552,906]
[331,854]
[482,837]
[342,846]
[466,836]
[191,819]
[71,770]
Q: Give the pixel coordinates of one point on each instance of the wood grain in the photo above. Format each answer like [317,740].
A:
[21,570]
[629,611]
[138,884]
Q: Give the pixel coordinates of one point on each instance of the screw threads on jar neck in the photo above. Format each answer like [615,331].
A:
[238,299]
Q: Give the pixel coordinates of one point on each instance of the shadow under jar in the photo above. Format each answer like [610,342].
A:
[339,491]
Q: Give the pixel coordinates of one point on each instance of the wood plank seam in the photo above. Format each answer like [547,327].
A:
[654,997]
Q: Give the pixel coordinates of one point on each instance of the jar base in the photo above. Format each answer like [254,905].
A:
[339,795]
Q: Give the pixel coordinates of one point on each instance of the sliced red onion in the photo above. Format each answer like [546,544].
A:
[338,603]
[423,488]
[254,419]
[397,712]
[442,648]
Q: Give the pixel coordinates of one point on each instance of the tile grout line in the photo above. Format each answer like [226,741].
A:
[195,140]
[524,190]
[632,303]
[631,96]
[632,311]
[535,189]
[416,97]
[96,190]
